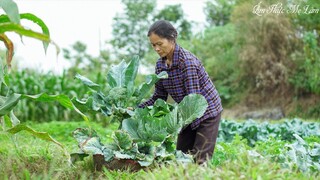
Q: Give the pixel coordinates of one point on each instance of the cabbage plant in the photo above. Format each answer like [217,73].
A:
[120,92]
[148,136]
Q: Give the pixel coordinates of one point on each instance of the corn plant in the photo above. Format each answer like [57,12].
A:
[10,22]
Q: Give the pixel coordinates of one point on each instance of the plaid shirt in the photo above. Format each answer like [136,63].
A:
[186,76]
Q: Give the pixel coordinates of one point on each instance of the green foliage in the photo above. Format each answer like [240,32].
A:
[10,22]
[218,12]
[31,83]
[147,135]
[305,22]
[130,28]
[299,154]
[82,61]
[176,16]
[218,48]
[40,160]
[9,122]
[255,132]
[119,93]
[306,77]
[267,46]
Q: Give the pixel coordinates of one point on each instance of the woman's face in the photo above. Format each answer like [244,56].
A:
[162,46]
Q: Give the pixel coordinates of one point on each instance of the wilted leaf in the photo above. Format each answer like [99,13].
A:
[10,48]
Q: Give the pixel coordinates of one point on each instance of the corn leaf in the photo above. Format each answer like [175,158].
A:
[40,23]
[61,98]
[33,18]
[5,27]
[9,45]
[42,135]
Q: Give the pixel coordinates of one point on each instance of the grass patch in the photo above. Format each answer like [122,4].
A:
[24,157]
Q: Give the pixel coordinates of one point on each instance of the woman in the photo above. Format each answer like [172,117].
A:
[186,76]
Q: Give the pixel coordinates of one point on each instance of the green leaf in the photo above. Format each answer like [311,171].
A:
[34,19]
[315,151]
[123,155]
[122,139]
[191,107]
[84,105]
[131,126]
[116,75]
[78,157]
[44,97]
[2,79]
[82,134]
[171,121]
[155,130]
[61,98]
[9,103]
[5,27]
[11,9]
[148,161]
[88,140]
[183,158]
[131,74]
[88,82]
[89,143]
[17,28]
[42,135]
[151,80]
[6,123]
[15,121]
[160,108]
[40,23]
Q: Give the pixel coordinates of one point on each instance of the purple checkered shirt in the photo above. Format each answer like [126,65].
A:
[186,76]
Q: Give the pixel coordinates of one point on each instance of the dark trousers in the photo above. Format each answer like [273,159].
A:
[201,141]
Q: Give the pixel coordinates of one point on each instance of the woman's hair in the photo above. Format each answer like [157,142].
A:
[163,29]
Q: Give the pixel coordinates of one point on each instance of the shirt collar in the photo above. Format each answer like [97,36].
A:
[175,57]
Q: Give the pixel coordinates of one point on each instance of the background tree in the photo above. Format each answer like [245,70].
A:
[269,41]
[84,63]
[218,12]
[130,28]
[175,14]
